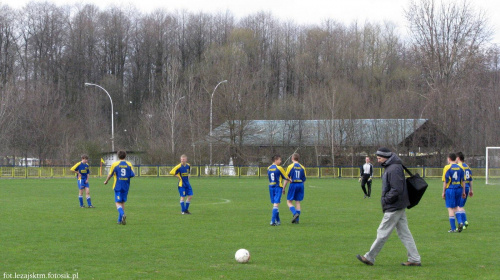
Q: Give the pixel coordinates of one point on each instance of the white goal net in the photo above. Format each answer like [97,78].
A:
[493,165]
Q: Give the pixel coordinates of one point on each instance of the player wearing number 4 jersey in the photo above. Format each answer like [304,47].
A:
[453,191]
[276,175]
[122,170]
[468,187]
[297,174]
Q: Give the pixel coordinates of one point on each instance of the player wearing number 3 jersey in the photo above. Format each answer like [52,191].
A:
[297,174]
[182,171]
[82,171]
[453,191]
[122,170]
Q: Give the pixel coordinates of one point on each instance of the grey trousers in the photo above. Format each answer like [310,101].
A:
[391,220]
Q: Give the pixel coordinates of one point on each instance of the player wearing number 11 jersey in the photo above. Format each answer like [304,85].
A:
[453,190]
[297,174]
[122,170]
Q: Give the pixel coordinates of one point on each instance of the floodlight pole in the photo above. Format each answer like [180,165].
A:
[112,116]
[211,99]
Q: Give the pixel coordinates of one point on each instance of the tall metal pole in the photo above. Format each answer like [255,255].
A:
[112,116]
[211,102]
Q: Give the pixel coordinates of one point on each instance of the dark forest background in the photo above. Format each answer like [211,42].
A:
[161,69]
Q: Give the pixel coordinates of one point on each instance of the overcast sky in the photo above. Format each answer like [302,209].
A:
[300,11]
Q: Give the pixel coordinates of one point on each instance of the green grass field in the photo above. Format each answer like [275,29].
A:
[42,230]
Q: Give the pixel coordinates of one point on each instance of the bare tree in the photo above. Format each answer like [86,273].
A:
[171,97]
[447,40]
[160,68]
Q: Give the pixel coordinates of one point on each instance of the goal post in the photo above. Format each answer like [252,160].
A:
[492,165]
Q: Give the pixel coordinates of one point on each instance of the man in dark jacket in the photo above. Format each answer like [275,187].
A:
[394,202]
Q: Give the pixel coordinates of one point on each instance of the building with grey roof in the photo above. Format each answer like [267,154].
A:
[344,136]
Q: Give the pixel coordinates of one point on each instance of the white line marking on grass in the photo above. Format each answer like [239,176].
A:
[314,187]
[223,202]
[212,203]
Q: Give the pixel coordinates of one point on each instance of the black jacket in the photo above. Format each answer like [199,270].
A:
[394,191]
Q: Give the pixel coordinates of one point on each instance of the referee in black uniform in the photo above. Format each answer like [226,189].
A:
[366,177]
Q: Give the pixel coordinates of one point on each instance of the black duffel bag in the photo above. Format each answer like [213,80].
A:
[416,187]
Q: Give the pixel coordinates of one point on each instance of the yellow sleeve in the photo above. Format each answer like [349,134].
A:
[76,166]
[174,170]
[131,168]
[282,171]
[290,167]
[445,169]
[130,164]
[461,166]
[112,168]
[304,169]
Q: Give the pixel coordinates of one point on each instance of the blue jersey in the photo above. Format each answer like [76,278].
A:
[467,172]
[83,169]
[122,171]
[296,172]
[276,174]
[453,176]
[182,171]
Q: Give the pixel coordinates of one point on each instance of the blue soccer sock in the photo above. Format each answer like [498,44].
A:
[120,212]
[458,214]
[298,212]
[81,200]
[183,206]
[452,223]
[187,205]
[275,215]
[88,201]
[293,210]
[464,217]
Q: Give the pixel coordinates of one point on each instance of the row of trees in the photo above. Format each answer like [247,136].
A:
[161,69]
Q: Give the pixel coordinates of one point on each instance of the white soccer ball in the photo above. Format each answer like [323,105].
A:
[242,256]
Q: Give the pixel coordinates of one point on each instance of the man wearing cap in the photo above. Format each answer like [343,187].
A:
[394,202]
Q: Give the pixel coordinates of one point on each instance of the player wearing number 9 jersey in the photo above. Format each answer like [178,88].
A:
[122,170]
[453,190]
[297,174]
[468,187]
[276,175]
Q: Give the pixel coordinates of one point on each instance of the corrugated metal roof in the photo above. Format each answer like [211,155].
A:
[356,132]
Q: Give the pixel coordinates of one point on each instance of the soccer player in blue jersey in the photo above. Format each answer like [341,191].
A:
[453,190]
[82,171]
[468,187]
[297,175]
[122,170]
[182,171]
[276,175]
